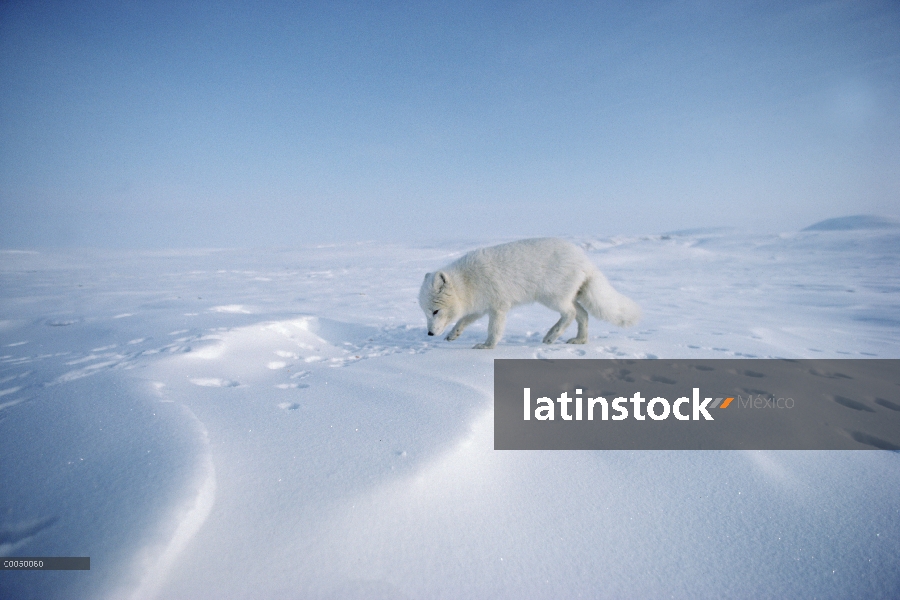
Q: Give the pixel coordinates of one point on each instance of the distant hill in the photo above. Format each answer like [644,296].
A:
[854,222]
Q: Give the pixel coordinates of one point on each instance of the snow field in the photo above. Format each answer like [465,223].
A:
[235,424]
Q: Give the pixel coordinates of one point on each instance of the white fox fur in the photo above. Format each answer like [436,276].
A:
[492,280]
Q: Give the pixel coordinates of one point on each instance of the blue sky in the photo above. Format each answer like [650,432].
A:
[177,124]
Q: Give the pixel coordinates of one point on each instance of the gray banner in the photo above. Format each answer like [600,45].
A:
[697,404]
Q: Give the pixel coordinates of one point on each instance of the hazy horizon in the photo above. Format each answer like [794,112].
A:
[153,125]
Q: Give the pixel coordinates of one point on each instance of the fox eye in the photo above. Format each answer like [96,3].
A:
[434,313]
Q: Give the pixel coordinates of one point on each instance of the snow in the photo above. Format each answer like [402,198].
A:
[277,424]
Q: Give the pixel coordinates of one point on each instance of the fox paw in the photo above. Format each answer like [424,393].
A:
[484,346]
[451,336]
[576,340]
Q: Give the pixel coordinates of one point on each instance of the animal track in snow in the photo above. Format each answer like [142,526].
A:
[757,392]
[887,404]
[829,374]
[871,440]
[850,403]
[118,361]
[61,322]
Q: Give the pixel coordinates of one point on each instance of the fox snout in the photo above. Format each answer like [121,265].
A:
[430,333]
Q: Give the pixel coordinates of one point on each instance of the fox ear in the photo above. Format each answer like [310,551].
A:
[440,280]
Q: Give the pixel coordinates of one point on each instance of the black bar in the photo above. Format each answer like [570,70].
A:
[45,563]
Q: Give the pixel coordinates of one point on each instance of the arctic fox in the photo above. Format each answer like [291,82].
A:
[492,280]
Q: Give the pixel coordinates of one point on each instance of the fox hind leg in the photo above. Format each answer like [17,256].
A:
[581,317]
[565,319]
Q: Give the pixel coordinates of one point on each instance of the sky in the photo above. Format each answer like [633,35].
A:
[230,124]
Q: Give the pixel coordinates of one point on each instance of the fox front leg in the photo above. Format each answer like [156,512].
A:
[462,324]
[496,324]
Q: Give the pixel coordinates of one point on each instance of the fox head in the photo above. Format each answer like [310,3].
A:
[437,301]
